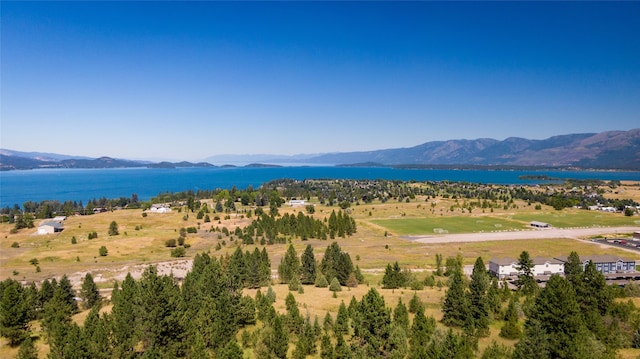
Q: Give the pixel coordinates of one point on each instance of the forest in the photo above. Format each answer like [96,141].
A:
[207,315]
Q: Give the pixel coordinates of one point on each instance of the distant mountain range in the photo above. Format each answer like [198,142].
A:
[605,150]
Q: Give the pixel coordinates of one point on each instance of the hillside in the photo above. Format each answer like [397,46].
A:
[605,150]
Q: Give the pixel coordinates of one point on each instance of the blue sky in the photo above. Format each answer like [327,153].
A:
[184,81]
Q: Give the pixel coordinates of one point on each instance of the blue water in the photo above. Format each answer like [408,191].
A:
[17,187]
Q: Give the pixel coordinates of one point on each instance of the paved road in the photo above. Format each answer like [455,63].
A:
[574,233]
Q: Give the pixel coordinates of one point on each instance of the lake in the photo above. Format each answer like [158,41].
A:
[17,187]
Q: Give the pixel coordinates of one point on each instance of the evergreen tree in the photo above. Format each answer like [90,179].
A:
[415,303]
[321,280]
[439,271]
[335,285]
[162,313]
[293,319]
[336,264]
[421,331]
[534,343]
[397,342]
[401,315]
[479,302]
[497,351]
[232,350]
[14,313]
[326,348]
[125,317]
[493,296]
[69,293]
[279,341]
[558,312]
[89,292]
[455,307]
[526,283]
[113,229]
[573,268]
[342,350]
[308,269]
[27,350]
[371,325]
[511,329]
[237,267]
[393,277]
[341,326]
[289,266]
[96,333]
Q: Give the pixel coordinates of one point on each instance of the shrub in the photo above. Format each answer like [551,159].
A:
[144,214]
[15,245]
[192,230]
[180,241]
[321,280]
[103,251]
[74,240]
[170,242]
[178,252]
[335,285]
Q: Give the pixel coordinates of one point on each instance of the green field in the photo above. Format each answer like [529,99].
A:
[581,218]
[473,224]
[457,224]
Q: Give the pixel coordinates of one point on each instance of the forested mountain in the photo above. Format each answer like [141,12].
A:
[613,149]
[605,150]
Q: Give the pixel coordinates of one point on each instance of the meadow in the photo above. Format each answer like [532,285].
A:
[378,242]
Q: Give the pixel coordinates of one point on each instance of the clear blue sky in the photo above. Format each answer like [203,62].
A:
[183,81]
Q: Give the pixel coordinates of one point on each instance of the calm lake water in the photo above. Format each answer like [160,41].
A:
[17,187]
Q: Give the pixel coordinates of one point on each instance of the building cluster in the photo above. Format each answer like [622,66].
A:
[611,266]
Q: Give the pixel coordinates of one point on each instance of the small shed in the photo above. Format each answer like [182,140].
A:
[537,224]
[50,227]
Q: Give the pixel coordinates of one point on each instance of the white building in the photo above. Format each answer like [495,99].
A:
[507,267]
[50,227]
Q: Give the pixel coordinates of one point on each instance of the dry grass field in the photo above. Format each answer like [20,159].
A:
[378,241]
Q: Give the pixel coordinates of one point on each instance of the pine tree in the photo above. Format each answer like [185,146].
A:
[336,264]
[534,343]
[14,313]
[308,269]
[237,267]
[421,331]
[27,350]
[392,278]
[415,303]
[321,280]
[232,350]
[125,317]
[478,300]
[89,292]
[326,348]
[279,341]
[526,283]
[558,312]
[293,319]
[456,305]
[289,266]
[341,327]
[401,315]
[335,285]
[573,269]
[69,293]
[113,229]
[372,324]
[511,329]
